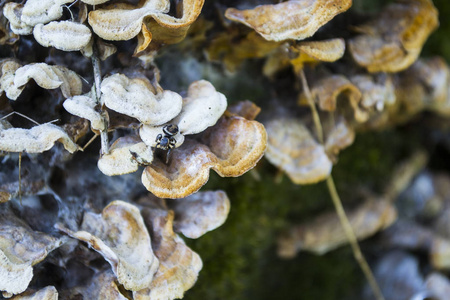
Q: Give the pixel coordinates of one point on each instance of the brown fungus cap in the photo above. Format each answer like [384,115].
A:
[295,20]
[329,89]
[231,48]
[121,237]
[231,147]
[292,148]
[425,85]
[123,22]
[167,29]
[125,156]
[144,39]
[303,53]
[199,213]
[377,91]
[338,137]
[179,265]
[327,50]
[325,233]
[393,41]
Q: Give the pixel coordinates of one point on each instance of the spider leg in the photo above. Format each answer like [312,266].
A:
[168,156]
[158,140]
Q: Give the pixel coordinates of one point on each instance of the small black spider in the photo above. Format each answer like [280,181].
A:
[167,141]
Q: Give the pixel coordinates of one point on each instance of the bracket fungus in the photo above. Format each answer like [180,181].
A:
[199,213]
[8,68]
[407,234]
[20,249]
[38,139]
[309,52]
[377,91]
[438,284]
[425,86]
[393,41]
[231,147]
[327,50]
[84,106]
[162,267]
[325,233]
[63,35]
[201,109]
[179,265]
[232,49]
[121,237]
[13,11]
[292,148]
[148,111]
[14,77]
[123,21]
[327,91]
[294,20]
[137,98]
[23,17]
[339,137]
[125,156]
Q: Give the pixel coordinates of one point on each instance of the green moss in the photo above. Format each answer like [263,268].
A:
[370,160]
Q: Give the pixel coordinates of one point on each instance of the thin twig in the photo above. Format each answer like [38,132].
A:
[312,106]
[345,223]
[352,239]
[90,141]
[71,14]
[19,114]
[97,81]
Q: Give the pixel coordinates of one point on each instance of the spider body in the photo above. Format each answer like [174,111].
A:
[167,141]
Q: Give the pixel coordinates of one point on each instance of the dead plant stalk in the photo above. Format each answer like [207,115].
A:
[360,259]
